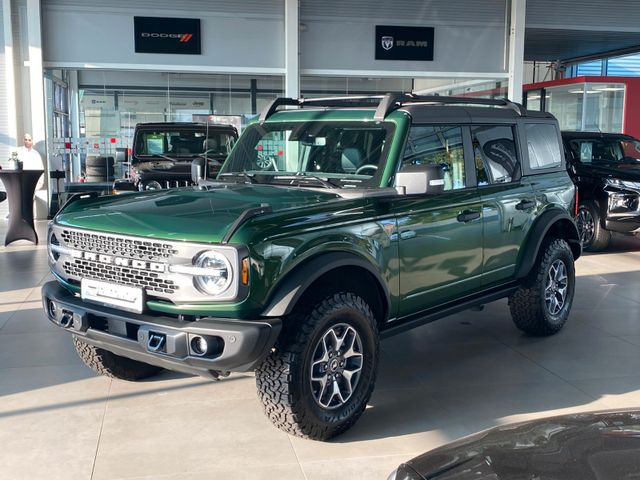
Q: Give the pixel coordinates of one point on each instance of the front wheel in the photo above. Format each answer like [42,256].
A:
[542,304]
[592,235]
[111,365]
[318,380]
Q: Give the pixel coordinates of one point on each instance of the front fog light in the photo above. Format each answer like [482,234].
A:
[220,276]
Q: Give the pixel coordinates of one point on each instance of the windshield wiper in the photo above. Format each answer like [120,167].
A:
[303,176]
[249,177]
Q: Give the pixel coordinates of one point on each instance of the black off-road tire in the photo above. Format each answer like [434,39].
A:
[528,306]
[600,237]
[284,379]
[99,171]
[111,365]
[99,161]
[101,179]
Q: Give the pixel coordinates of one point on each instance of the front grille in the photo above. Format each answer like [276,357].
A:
[150,281]
[120,247]
[177,183]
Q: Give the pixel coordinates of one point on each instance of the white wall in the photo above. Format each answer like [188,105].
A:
[86,33]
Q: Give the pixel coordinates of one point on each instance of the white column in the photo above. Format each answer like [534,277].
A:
[516,49]
[9,74]
[36,100]
[291,48]
[74,117]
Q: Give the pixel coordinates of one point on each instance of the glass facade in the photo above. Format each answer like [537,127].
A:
[587,106]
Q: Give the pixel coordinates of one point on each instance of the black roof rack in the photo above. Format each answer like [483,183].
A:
[385,104]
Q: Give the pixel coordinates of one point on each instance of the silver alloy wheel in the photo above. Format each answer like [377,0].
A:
[335,366]
[555,292]
[586,226]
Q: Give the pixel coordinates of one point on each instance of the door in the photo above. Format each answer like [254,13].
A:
[439,233]
[508,201]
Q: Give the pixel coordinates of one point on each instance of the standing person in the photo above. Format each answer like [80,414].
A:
[31,159]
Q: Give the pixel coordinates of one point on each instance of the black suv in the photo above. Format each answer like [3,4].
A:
[606,169]
[162,153]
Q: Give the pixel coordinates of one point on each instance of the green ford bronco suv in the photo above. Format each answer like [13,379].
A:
[330,226]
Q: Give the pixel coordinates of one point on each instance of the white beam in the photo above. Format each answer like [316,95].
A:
[37,124]
[516,49]
[291,48]
[10,79]
[74,117]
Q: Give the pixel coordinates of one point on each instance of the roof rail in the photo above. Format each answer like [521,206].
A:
[385,104]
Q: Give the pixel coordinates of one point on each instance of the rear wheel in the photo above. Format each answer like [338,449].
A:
[318,380]
[592,235]
[111,365]
[542,304]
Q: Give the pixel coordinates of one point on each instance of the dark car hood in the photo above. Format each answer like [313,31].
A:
[158,169]
[581,446]
[621,171]
[188,214]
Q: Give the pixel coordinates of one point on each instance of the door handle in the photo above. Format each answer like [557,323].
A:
[525,205]
[467,216]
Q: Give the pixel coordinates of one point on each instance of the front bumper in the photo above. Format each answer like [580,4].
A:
[168,342]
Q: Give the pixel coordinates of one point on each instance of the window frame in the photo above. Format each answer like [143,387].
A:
[470,171]
[526,162]
[517,143]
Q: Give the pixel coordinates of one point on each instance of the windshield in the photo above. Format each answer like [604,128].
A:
[603,150]
[189,143]
[341,154]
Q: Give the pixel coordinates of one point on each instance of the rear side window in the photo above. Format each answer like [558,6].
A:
[495,154]
[543,146]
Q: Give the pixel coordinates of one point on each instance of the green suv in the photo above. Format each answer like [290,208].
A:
[330,226]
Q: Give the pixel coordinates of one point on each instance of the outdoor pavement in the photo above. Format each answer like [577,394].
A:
[437,383]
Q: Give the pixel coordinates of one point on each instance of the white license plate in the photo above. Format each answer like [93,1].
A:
[110,294]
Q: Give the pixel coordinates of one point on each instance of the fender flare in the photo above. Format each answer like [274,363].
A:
[543,224]
[287,293]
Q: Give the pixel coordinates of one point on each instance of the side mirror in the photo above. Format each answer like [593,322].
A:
[122,155]
[420,179]
[198,170]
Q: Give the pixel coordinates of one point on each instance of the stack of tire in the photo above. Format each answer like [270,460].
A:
[99,169]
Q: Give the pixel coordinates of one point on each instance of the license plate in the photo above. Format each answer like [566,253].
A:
[112,295]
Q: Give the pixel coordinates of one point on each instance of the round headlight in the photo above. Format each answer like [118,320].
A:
[153,185]
[221,274]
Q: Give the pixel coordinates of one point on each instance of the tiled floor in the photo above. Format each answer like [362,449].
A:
[437,383]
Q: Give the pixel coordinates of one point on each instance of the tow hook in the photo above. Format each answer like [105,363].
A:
[156,342]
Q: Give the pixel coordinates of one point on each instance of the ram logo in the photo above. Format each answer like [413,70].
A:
[387,43]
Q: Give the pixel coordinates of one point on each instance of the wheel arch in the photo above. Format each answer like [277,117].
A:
[556,223]
[330,267]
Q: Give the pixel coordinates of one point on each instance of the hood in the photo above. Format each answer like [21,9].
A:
[186,214]
[621,171]
[164,169]
[580,446]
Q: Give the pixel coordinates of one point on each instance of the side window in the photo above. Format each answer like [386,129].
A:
[437,147]
[543,146]
[495,154]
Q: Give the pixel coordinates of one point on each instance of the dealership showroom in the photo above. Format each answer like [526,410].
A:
[116,116]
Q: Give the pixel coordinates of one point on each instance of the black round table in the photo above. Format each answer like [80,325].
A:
[20,186]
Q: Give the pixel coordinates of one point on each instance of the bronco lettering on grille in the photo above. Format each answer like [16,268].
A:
[123,262]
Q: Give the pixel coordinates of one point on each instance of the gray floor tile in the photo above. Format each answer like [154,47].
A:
[187,438]
[37,349]
[29,320]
